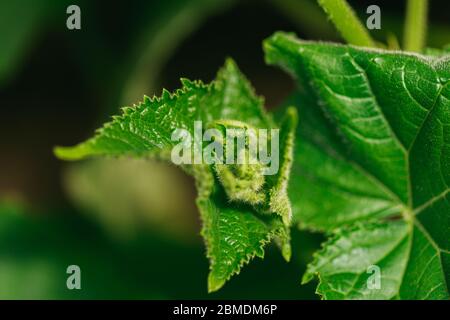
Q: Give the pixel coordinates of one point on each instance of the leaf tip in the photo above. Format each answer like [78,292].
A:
[286,252]
[307,277]
[77,152]
[230,63]
[214,283]
[277,42]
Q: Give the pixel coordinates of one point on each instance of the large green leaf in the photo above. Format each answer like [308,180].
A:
[235,227]
[410,267]
[375,146]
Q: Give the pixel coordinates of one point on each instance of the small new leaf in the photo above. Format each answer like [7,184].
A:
[242,209]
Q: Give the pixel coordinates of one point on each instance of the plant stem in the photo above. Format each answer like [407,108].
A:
[415,25]
[347,23]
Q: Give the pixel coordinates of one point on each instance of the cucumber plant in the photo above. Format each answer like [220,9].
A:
[368,163]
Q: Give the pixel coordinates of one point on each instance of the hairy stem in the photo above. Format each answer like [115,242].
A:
[415,25]
[347,23]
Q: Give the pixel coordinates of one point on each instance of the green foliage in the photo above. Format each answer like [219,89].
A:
[370,167]
[234,231]
[374,147]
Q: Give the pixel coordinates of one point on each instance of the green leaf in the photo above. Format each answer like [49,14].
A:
[375,146]
[242,182]
[269,193]
[278,195]
[235,235]
[147,127]
[237,223]
[410,267]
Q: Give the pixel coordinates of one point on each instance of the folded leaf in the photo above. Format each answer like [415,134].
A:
[376,146]
[241,208]
[234,234]
[147,127]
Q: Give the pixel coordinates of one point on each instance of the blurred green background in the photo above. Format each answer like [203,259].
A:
[131,225]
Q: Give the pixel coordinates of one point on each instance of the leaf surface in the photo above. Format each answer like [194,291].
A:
[375,146]
[235,227]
